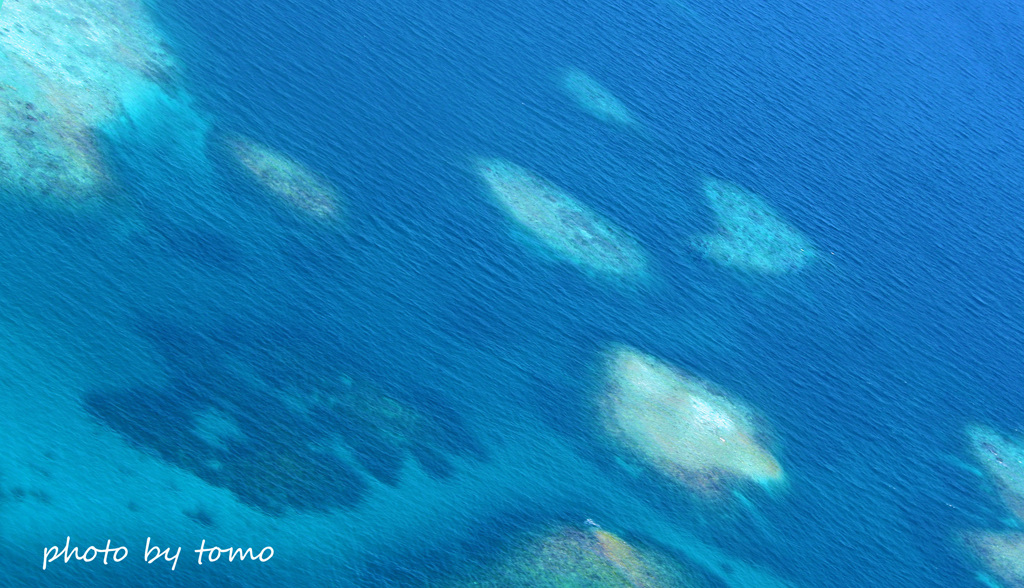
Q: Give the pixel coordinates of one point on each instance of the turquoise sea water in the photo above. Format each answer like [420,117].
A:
[889,134]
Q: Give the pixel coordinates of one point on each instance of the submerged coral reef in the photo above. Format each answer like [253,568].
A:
[1001,552]
[584,557]
[682,425]
[595,99]
[291,181]
[565,226]
[750,235]
[65,68]
[1003,458]
[282,431]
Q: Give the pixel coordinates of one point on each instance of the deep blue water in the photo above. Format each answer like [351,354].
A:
[890,134]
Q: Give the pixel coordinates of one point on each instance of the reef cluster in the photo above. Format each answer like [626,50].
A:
[287,435]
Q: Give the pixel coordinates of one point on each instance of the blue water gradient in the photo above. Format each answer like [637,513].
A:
[890,134]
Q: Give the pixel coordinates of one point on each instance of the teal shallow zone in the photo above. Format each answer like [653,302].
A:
[179,359]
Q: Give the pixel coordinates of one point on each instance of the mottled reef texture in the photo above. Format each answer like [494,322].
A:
[66,66]
[563,225]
